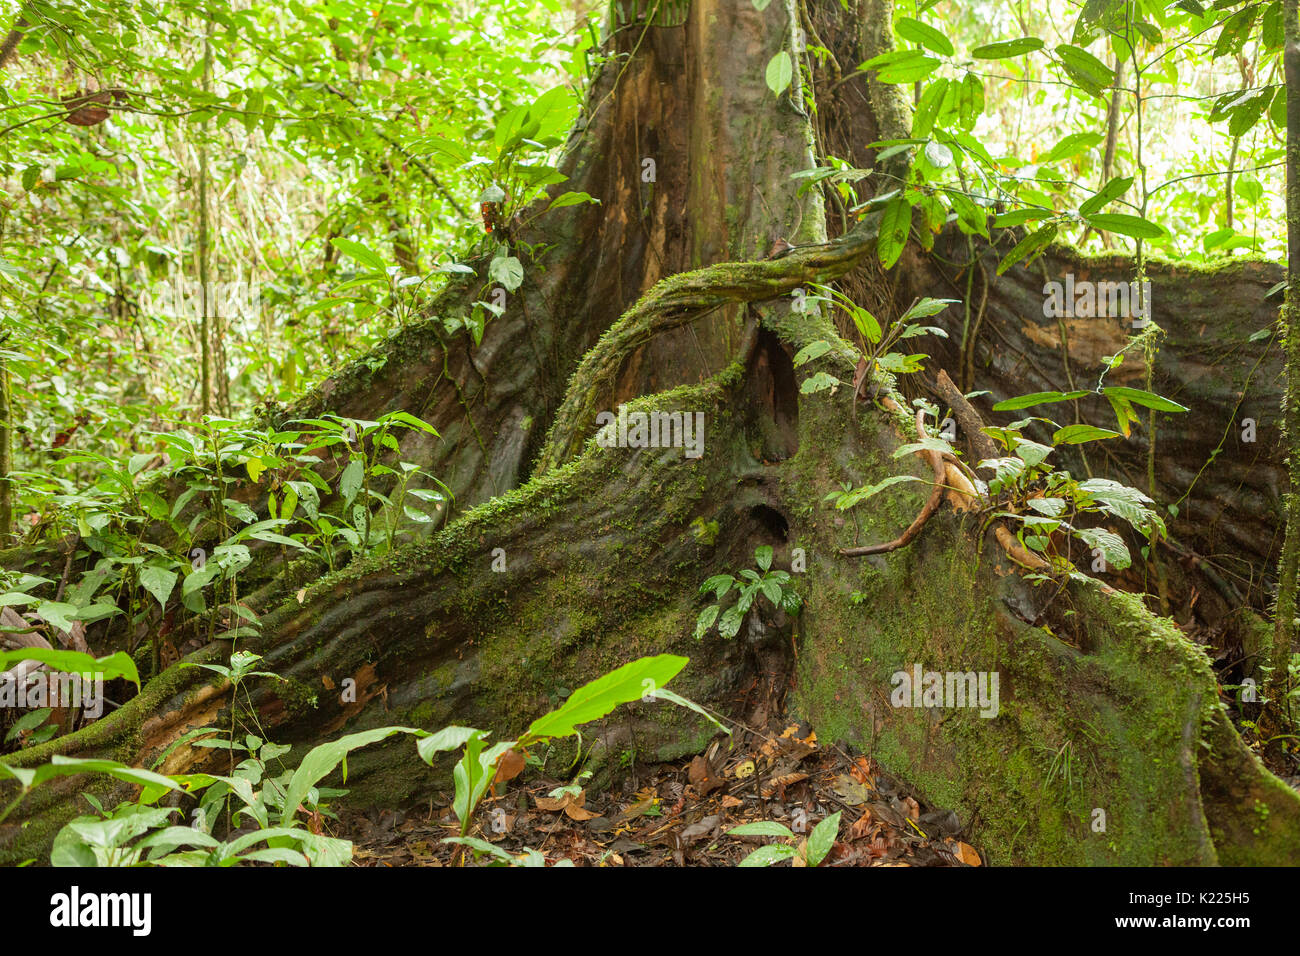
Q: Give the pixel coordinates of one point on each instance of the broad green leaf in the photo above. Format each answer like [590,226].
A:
[1078,434]
[818,382]
[1125,225]
[928,443]
[928,107]
[706,619]
[273,538]
[767,855]
[1090,73]
[1007,48]
[971,216]
[59,613]
[780,72]
[482,846]
[719,584]
[901,66]
[811,351]
[1109,193]
[322,759]
[60,766]
[158,581]
[169,838]
[598,698]
[572,199]
[1112,546]
[1072,145]
[822,838]
[1037,398]
[1028,247]
[351,480]
[1235,31]
[1095,16]
[118,664]
[360,253]
[1147,399]
[507,270]
[1052,507]
[277,855]
[895,224]
[1032,453]
[449,738]
[923,34]
[25,776]
[925,308]
[970,101]
[1018,217]
[1124,413]
[866,324]
[1248,188]
[858,495]
[120,828]
[761,828]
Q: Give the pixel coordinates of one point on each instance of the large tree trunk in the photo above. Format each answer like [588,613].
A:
[602,561]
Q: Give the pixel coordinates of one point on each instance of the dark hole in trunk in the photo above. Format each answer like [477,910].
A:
[773,419]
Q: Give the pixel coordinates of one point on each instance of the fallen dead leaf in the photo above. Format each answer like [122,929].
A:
[850,791]
[574,812]
[781,782]
[701,774]
[863,772]
[861,826]
[967,854]
[698,771]
[571,805]
[697,831]
[509,765]
[646,800]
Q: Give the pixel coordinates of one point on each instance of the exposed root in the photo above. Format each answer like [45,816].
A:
[927,511]
[680,300]
[949,478]
[1016,552]
[967,418]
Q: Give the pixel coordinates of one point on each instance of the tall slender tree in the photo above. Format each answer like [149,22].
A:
[1289,565]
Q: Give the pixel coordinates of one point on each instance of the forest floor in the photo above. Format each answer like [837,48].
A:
[680,814]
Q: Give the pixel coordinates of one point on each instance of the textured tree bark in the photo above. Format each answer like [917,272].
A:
[661,293]
[1289,568]
[1221,463]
